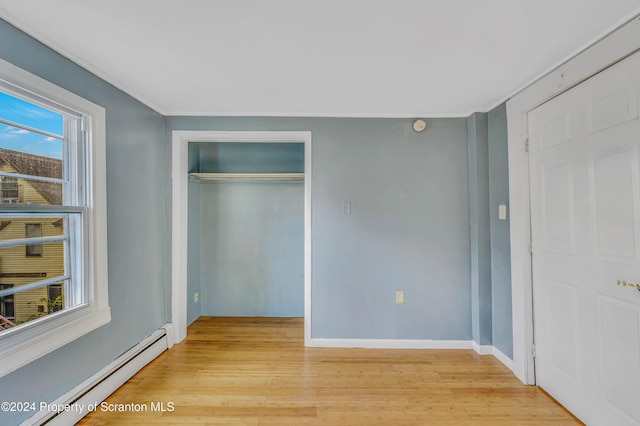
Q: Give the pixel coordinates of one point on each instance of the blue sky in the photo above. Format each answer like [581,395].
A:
[16,139]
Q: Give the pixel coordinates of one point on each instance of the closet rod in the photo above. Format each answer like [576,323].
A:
[247,176]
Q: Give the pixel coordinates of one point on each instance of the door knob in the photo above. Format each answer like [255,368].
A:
[626,284]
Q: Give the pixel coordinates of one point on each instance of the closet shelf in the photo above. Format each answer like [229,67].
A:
[283,177]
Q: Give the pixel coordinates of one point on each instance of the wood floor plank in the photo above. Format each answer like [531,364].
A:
[256,371]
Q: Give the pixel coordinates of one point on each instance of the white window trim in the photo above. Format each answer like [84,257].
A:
[48,334]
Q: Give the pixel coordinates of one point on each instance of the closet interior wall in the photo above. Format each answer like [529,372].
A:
[246,237]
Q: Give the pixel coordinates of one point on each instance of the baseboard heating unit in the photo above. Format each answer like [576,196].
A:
[98,387]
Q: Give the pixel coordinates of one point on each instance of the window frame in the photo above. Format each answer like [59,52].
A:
[44,335]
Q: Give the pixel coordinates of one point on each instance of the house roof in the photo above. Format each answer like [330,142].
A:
[29,164]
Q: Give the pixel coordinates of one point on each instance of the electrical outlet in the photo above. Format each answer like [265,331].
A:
[196,297]
[399,297]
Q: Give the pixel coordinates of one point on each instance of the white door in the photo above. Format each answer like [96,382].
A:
[585,224]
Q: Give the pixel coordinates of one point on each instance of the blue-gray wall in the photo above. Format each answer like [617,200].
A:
[479,228]
[490,248]
[408,228]
[252,249]
[137,220]
[246,157]
[502,331]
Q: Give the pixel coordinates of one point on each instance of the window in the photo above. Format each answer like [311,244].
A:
[7,308]
[33,230]
[52,217]
[9,190]
[55,300]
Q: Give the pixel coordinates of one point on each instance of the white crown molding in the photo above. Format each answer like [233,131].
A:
[316,114]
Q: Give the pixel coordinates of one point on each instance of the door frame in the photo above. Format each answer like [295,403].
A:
[180,213]
[613,46]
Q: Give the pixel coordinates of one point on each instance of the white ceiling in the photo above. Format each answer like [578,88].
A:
[389,58]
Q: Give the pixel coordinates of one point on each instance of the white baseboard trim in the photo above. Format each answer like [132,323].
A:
[413,344]
[482,349]
[391,343]
[508,362]
[492,350]
[98,387]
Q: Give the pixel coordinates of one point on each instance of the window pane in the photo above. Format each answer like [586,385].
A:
[31,304]
[7,315]
[15,264]
[9,190]
[7,308]
[25,113]
[17,270]
[17,228]
[30,191]
[30,153]
[33,230]
[55,296]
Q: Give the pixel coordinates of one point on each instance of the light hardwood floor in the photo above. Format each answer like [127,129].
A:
[256,371]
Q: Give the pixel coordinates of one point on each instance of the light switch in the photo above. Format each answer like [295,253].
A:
[502,212]
[346,207]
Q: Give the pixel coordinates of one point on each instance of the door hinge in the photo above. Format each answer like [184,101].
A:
[526,145]
[530,246]
[533,351]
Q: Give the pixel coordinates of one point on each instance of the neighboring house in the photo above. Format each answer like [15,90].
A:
[25,264]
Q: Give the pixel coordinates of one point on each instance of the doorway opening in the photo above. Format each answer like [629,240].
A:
[180,210]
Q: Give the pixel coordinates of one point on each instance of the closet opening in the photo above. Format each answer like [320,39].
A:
[246,229]
[245,210]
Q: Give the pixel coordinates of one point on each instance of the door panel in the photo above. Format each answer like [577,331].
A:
[613,205]
[620,360]
[563,337]
[556,131]
[585,224]
[612,106]
[557,199]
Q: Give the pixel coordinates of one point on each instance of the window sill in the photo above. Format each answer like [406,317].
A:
[21,347]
